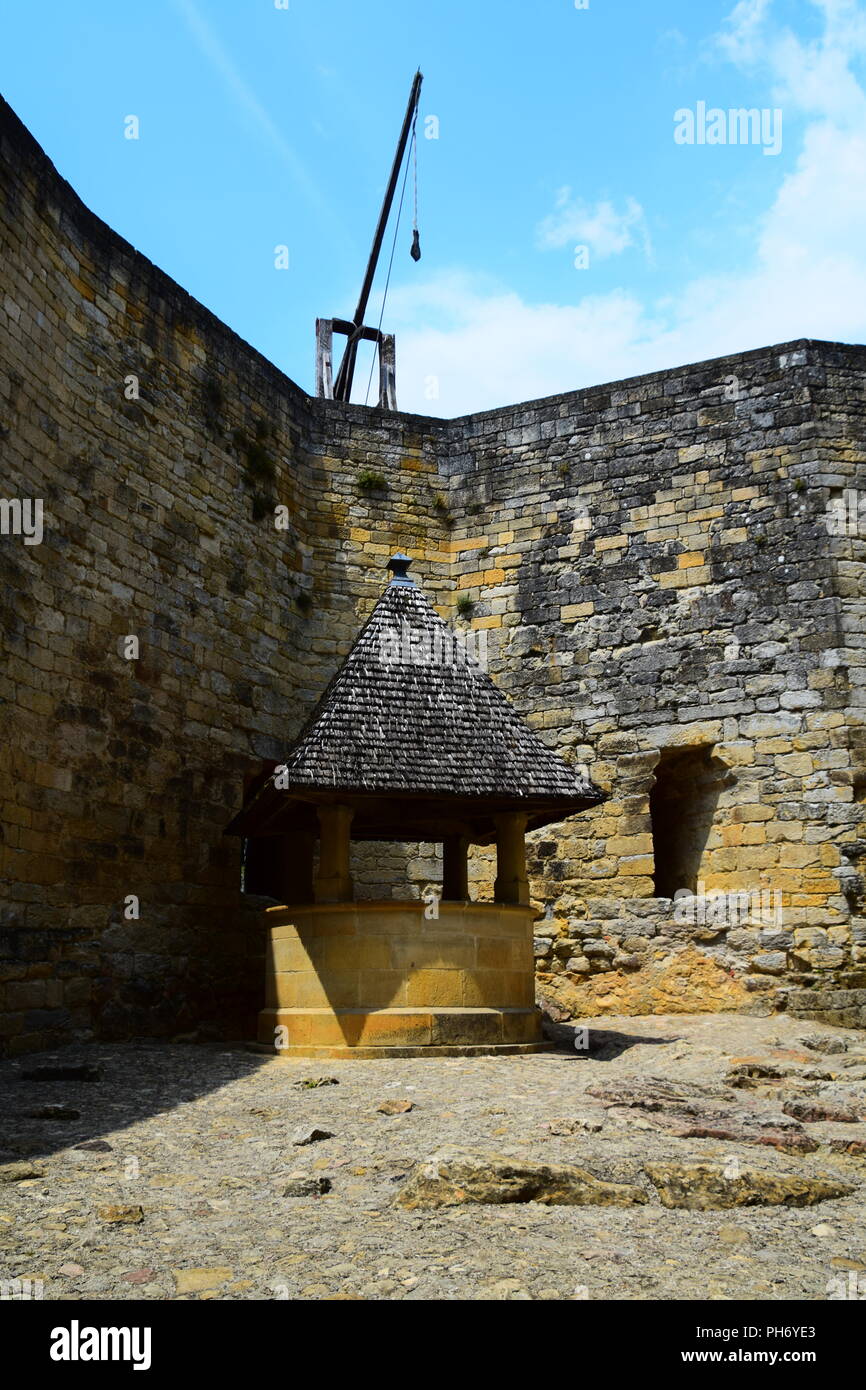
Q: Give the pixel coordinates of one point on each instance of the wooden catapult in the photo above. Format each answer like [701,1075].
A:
[356,331]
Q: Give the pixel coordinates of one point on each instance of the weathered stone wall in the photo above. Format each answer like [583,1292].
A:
[649,564]
[653,562]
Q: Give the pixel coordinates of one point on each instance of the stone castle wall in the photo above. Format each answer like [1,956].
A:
[119,774]
[665,600]
[648,564]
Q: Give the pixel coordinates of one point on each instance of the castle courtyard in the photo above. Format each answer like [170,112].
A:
[171,1180]
[433,728]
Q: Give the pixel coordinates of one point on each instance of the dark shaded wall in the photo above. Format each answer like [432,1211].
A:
[119,775]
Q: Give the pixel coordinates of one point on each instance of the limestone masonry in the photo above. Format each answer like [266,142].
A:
[664,574]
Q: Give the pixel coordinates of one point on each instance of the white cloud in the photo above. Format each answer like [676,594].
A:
[600,227]
[742,38]
[813,76]
[485,346]
[806,277]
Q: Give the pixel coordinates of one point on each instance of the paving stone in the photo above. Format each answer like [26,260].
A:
[117,1214]
[447,1180]
[700,1186]
[303,1185]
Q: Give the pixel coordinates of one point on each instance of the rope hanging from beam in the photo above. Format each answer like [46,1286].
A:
[415,253]
[415,244]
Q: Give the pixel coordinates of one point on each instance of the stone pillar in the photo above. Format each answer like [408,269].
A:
[333,882]
[455,868]
[511,884]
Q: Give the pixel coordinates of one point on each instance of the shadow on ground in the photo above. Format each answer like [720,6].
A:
[54,1100]
[601,1044]
[71,1098]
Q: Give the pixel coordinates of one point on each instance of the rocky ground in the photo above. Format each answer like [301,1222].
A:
[165,1175]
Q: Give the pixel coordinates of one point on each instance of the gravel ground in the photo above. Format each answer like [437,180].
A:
[200,1138]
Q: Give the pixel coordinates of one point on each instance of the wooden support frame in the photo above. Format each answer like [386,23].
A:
[325,330]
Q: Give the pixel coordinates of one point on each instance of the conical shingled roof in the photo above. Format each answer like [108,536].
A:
[409,714]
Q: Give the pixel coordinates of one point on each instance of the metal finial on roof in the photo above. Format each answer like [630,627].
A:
[399,564]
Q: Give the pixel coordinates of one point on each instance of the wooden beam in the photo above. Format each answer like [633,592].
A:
[343,384]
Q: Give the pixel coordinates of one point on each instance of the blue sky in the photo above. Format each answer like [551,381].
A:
[262,126]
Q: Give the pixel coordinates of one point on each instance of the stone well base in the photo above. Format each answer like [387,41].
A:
[399,1032]
[381,980]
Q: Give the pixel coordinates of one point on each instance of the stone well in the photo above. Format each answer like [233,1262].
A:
[411,742]
[380,979]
